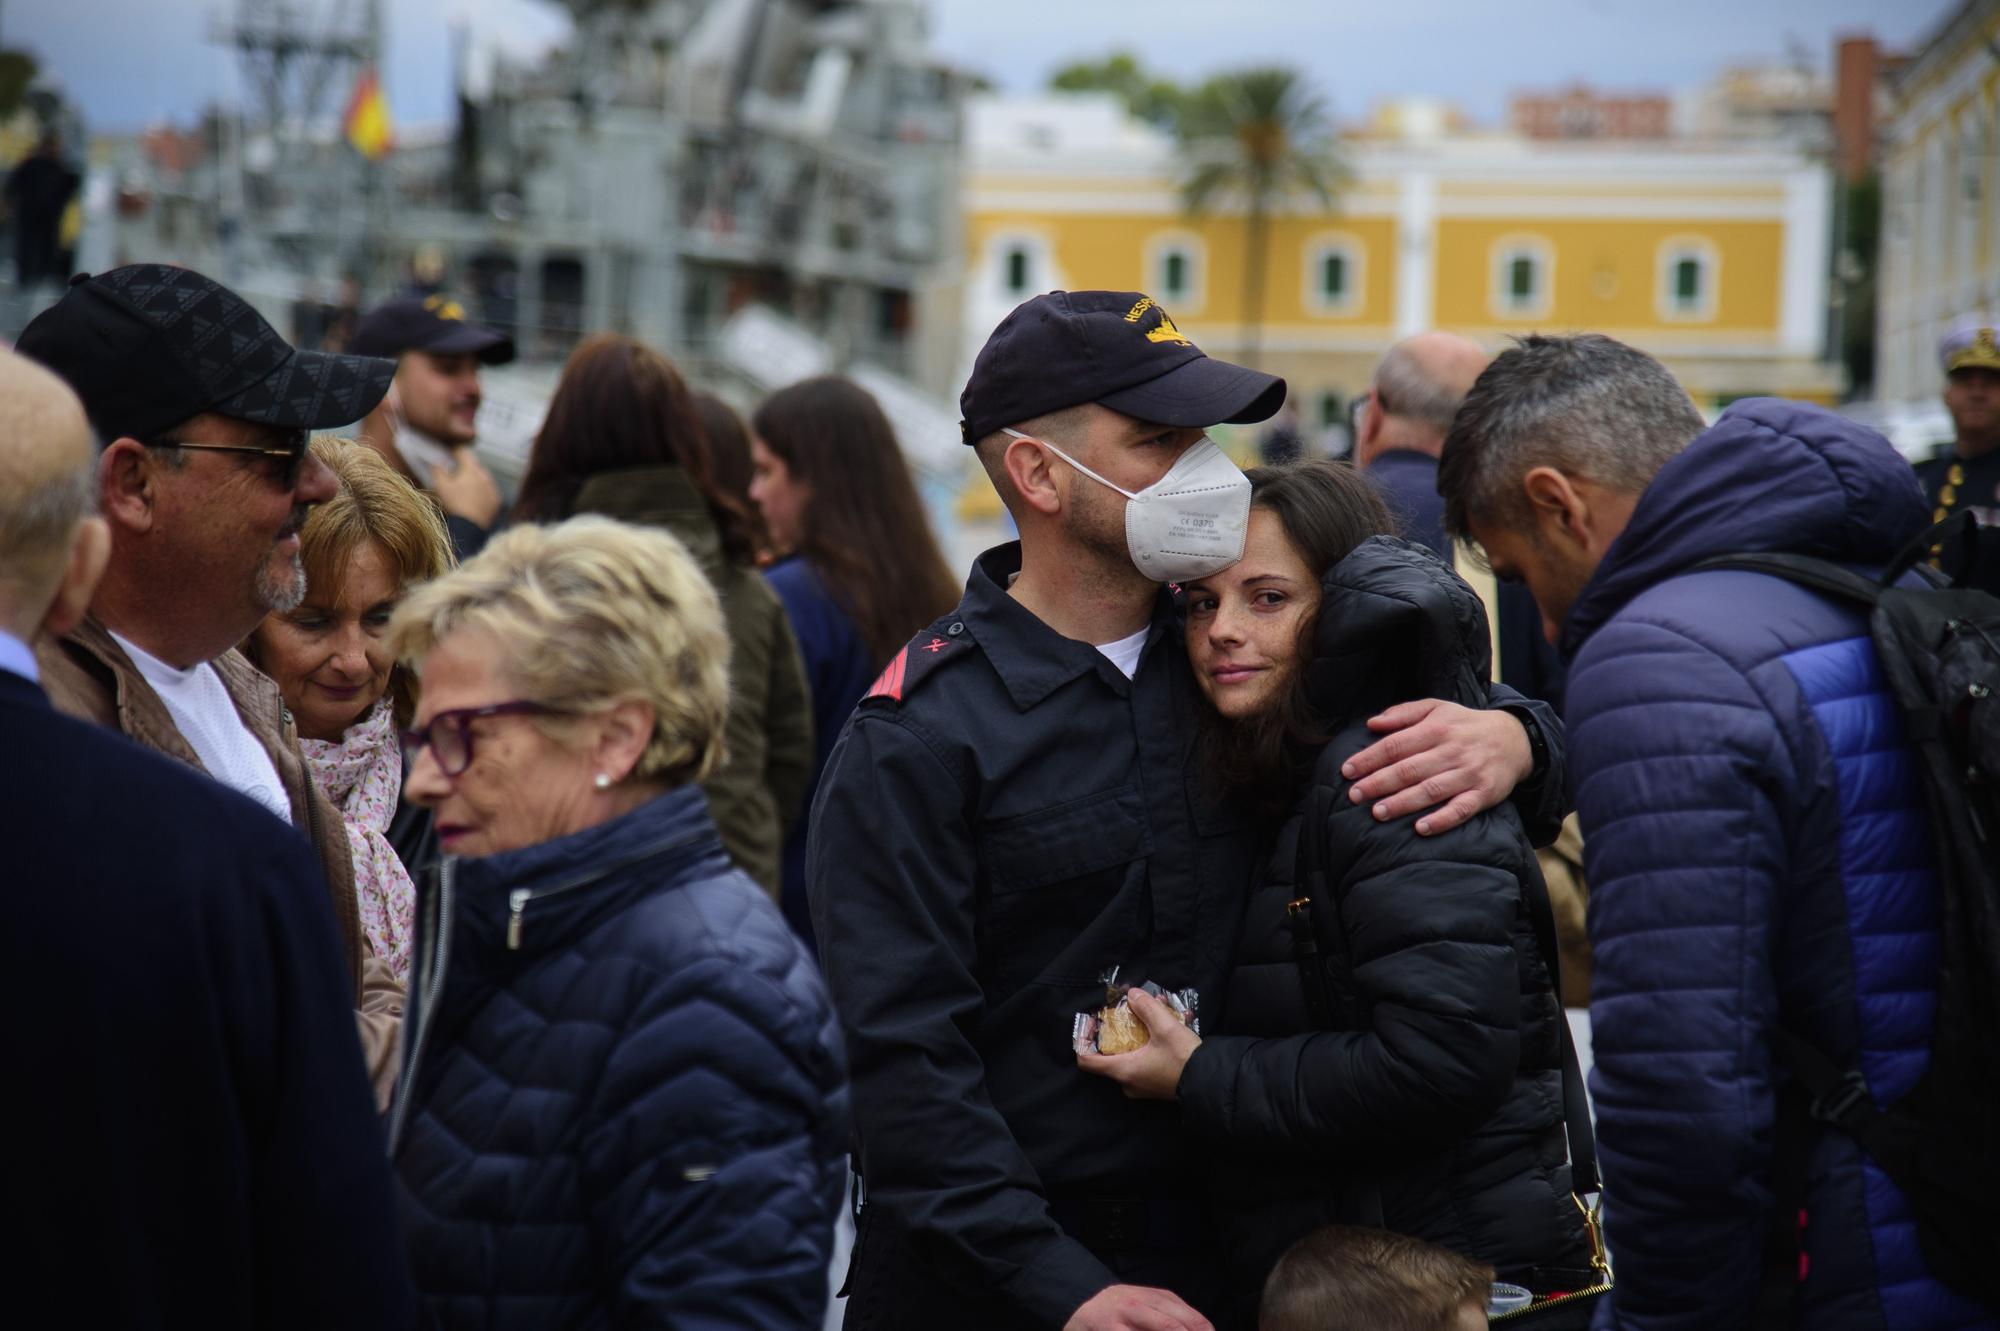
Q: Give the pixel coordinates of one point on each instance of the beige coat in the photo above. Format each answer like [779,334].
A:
[87,675]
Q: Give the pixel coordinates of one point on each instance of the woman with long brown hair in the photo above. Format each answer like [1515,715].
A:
[858,568]
[1389,1049]
[623,438]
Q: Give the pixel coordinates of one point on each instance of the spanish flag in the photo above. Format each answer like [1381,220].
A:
[367,124]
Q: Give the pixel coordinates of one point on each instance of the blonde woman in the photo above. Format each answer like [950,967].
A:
[361,550]
[624,1102]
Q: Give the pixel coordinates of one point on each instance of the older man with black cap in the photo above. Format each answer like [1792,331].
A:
[426,423]
[1011,813]
[204,480]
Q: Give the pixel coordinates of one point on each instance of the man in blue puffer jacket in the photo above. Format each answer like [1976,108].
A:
[1754,827]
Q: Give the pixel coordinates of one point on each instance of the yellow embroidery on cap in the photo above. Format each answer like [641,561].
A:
[1983,352]
[1166,332]
[1132,315]
[445,308]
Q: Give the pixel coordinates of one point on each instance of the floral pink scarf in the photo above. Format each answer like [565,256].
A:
[363,774]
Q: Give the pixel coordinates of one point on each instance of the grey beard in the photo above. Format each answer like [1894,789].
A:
[282,592]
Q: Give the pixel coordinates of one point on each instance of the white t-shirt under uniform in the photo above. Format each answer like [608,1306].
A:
[1125,653]
[208,720]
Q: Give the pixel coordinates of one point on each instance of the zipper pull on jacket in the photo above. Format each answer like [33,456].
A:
[517,901]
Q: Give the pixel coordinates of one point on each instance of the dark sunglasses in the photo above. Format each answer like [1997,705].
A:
[292,451]
[448,735]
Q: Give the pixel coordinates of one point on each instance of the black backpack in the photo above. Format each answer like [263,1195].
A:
[1939,647]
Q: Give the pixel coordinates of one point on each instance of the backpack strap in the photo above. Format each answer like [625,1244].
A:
[1821,575]
[1835,1095]
[1961,527]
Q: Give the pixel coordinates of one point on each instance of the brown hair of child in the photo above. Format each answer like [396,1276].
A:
[1345,1279]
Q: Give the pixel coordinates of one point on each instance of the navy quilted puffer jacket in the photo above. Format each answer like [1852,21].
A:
[1756,849]
[624,1103]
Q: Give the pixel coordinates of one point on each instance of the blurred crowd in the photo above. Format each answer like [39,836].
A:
[454,908]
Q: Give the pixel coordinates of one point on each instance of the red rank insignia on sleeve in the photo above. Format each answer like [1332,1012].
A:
[890,685]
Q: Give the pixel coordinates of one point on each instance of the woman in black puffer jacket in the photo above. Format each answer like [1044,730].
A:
[1419,1087]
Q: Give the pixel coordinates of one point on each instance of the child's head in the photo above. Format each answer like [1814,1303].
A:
[1344,1279]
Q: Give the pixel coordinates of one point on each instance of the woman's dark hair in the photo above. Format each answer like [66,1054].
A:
[1326,508]
[729,456]
[622,404]
[728,444]
[864,530]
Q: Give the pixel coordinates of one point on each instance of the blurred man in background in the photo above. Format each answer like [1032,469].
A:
[1965,476]
[426,424]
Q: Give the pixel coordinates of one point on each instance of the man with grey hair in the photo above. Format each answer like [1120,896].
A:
[204,480]
[1754,828]
[197,1144]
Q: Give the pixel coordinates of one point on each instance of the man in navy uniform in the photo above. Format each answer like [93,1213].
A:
[1965,476]
[1012,811]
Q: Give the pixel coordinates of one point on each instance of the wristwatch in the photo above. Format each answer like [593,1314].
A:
[1538,744]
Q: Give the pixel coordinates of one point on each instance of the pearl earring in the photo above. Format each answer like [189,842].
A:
[603,781]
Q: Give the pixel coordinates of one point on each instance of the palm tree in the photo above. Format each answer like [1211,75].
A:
[1260,135]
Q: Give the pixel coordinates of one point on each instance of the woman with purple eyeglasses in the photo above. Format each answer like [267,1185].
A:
[623,1101]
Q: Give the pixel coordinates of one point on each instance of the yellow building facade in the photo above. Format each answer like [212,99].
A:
[1940,260]
[1713,259]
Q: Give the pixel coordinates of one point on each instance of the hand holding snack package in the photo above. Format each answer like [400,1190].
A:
[1116,1029]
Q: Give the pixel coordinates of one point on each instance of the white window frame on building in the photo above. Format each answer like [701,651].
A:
[1675,251]
[1353,258]
[1506,252]
[1034,251]
[1161,250]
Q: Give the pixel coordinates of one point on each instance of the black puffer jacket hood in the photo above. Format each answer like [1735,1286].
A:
[1396,624]
[1430,1099]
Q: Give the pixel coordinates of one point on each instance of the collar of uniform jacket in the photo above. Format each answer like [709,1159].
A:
[1032,659]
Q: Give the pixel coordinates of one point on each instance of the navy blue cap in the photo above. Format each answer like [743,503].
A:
[436,324]
[1115,348]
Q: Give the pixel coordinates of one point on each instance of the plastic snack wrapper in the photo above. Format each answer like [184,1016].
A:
[1116,1029]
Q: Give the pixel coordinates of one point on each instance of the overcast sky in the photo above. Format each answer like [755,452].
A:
[131,62]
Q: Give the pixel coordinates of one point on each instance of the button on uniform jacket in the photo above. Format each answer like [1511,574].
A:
[193,1143]
[1005,818]
[624,1104]
[1755,841]
[1431,1103]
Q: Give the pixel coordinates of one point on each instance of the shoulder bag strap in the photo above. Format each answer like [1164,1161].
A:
[1576,1106]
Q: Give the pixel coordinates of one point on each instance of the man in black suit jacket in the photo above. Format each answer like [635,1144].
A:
[192,1138]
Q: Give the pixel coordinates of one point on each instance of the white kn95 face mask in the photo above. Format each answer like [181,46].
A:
[1188,524]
